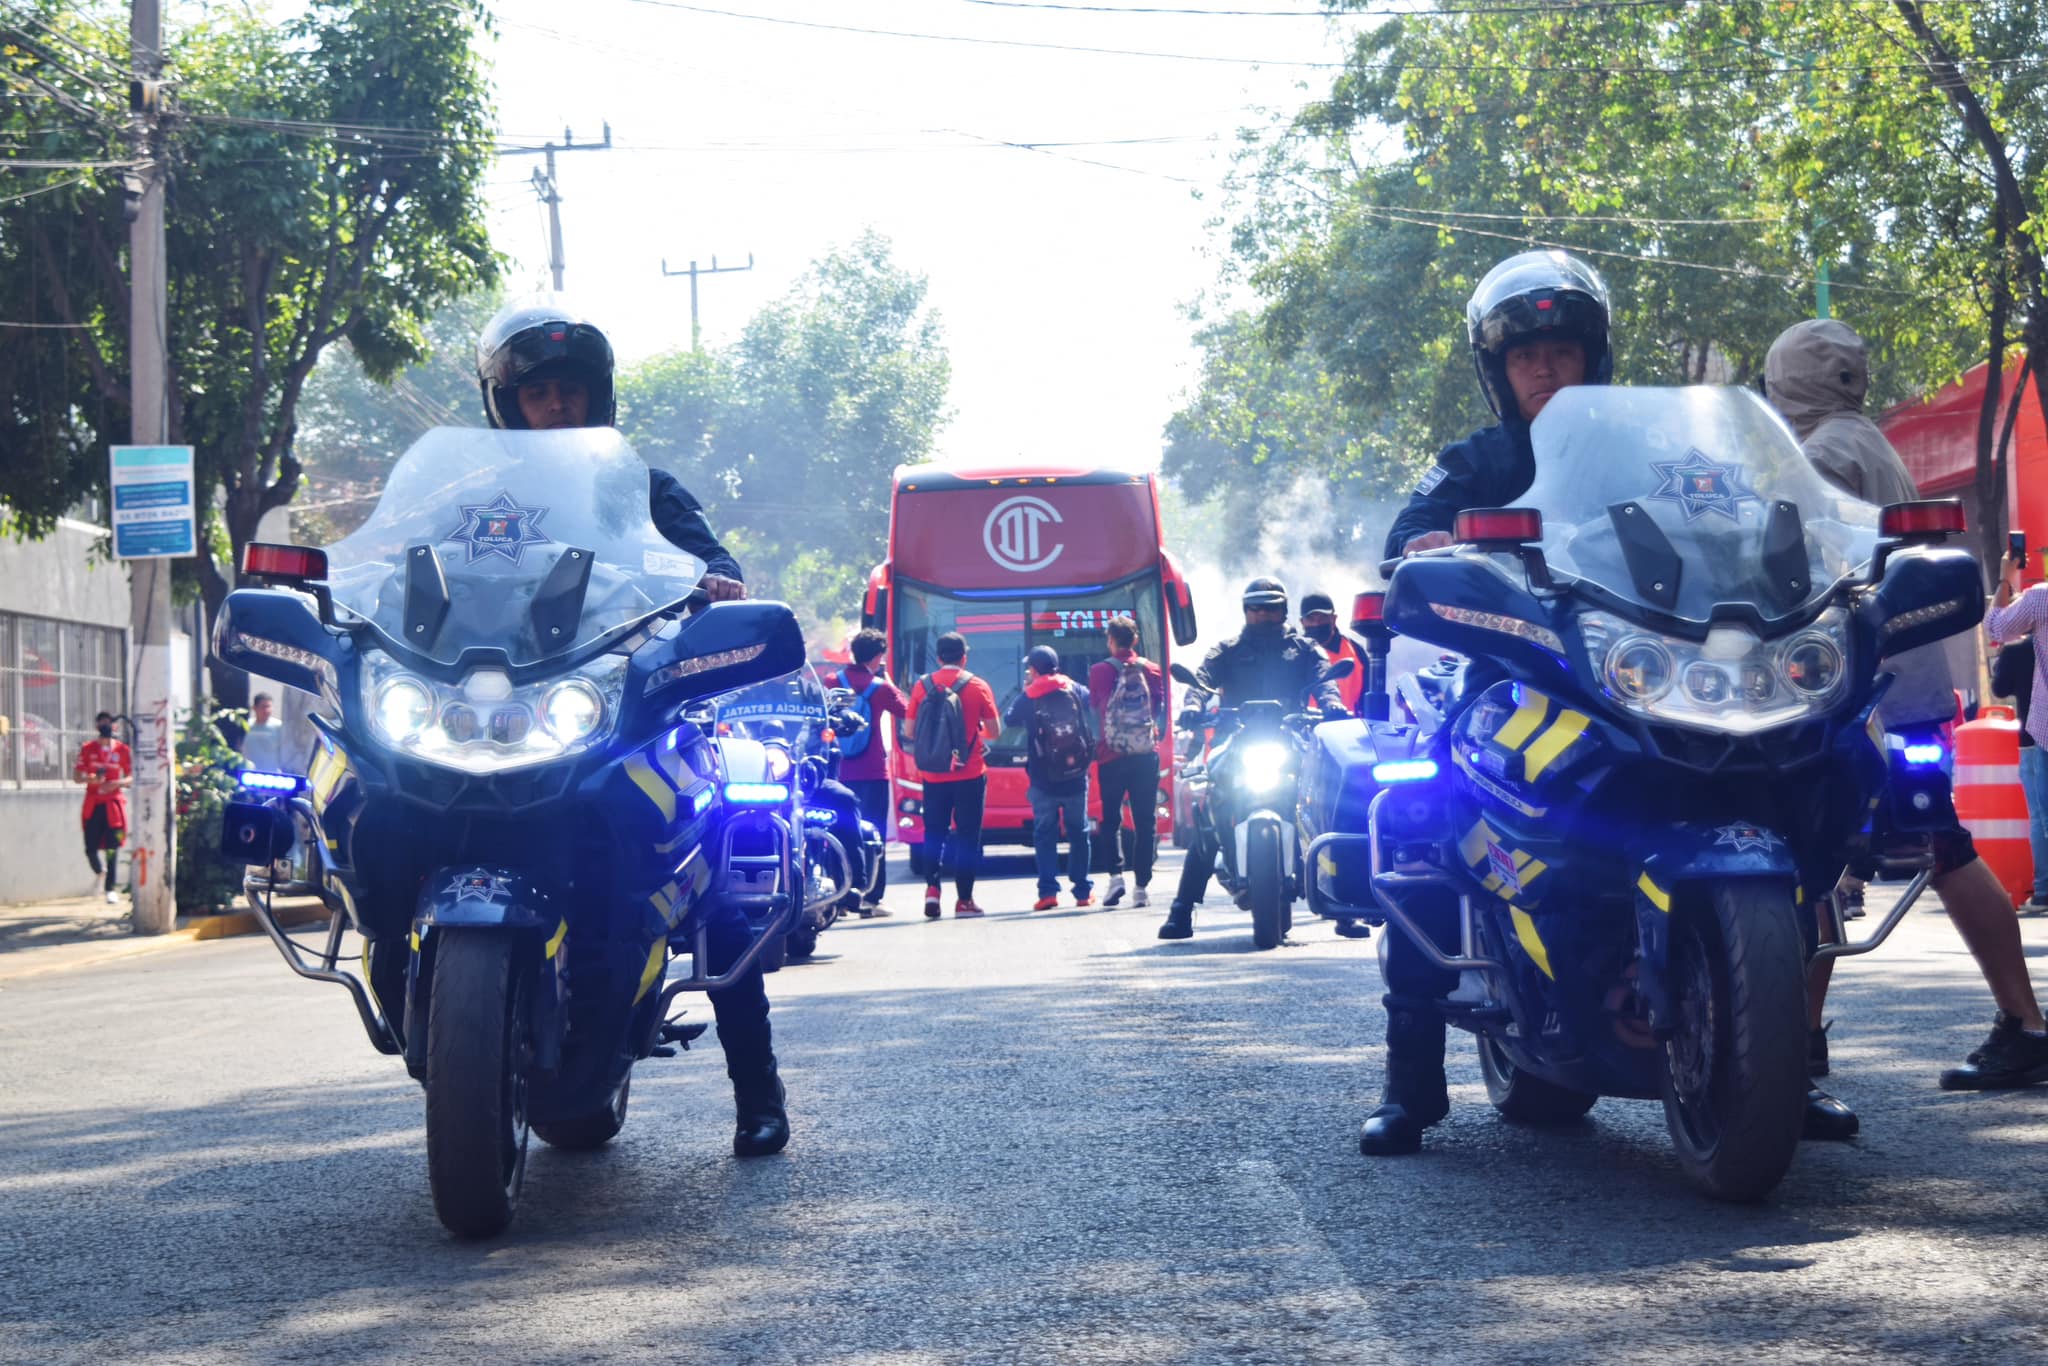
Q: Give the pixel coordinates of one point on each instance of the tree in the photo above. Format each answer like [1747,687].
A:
[789,436]
[326,180]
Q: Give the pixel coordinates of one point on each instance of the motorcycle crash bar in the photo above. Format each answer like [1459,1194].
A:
[1883,932]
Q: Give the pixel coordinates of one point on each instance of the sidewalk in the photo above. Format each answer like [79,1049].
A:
[75,932]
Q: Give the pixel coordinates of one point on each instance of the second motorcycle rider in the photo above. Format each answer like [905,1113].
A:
[542,366]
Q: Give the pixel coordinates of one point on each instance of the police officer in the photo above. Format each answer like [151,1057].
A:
[1265,662]
[1537,323]
[542,365]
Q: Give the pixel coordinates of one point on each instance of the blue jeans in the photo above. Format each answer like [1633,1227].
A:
[2034,781]
[1047,810]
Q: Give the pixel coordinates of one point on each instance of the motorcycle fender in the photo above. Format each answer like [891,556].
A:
[1694,853]
[1244,833]
[478,897]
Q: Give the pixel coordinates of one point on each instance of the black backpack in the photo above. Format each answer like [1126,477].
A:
[940,743]
[1059,736]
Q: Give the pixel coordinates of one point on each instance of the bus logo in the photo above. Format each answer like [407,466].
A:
[1011,534]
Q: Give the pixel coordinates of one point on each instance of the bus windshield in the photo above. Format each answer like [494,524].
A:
[1001,630]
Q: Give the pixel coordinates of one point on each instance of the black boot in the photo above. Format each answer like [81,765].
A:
[763,1125]
[1415,1096]
[1180,922]
[1828,1120]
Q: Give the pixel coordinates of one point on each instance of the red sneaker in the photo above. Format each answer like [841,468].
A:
[1045,903]
[931,903]
[1084,901]
[964,910]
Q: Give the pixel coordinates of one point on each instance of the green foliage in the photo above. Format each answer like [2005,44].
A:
[325,183]
[789,436]
[205,778]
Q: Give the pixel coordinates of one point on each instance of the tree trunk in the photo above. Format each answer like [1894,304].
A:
[1989,485]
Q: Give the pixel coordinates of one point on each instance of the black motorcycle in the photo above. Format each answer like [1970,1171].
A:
[514,802]
[1610,827]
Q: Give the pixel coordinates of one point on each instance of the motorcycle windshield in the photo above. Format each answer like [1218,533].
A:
[543,539]
[791,709]
[1683,500]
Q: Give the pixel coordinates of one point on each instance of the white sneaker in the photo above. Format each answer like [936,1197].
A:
[113,898]
[1138,897]
[1115,894]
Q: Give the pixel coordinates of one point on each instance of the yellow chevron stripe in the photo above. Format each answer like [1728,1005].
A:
[656,956]
[1659,898]
[1473,847]
[555,943]
[648,781]
[1523,723]
[1532,942]
[1553,742]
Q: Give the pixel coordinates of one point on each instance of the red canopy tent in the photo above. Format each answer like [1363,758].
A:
[1936,435]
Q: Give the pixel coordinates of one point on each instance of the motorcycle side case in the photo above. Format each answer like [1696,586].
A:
[1337,789]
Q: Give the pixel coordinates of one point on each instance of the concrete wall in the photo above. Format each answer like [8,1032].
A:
[42,854]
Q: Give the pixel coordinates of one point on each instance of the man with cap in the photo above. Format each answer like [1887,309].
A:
[1265,662]
[1053,714]
[1319,624]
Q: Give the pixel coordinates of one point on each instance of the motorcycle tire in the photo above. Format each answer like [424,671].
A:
[1734,1080]
[1265,878]
[477,1055]
[1523,1099]
[800,944]
[593,1130]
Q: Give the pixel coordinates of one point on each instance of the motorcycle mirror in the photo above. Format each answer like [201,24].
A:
[1339,668]
[1183,674]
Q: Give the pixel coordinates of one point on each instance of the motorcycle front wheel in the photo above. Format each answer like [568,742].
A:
[1734,1081]
[1265,880]
[1523,1099]
[477,1057]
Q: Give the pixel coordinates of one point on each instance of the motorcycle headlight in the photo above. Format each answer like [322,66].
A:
[1262,766]
[486,725]
[1730,682]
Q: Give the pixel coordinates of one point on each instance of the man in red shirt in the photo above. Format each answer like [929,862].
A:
[867,772]
[954,799]
[1127,759]
[105,767]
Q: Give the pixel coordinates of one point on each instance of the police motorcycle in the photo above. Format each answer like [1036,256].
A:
[1242,792]
[841,852]
[515,801]
[1611,830]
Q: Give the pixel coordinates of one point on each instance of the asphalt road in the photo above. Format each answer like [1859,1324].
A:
[1031,1138]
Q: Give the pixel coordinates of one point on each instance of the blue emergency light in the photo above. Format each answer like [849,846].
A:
[1923,754]
[757,794]
[1404,771]
[271,782]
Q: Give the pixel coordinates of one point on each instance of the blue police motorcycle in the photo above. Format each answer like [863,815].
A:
[515,801]
[1608,830]
[842,853]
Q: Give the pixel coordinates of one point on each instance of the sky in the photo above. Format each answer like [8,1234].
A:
[1060,284]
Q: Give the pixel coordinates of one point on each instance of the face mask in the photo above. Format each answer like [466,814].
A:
[1264,628]
[1324,635]
[107,730]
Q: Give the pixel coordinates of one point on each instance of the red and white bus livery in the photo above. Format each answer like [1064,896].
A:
[1013,558]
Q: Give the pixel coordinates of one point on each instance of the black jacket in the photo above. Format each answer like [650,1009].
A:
[680,517]
[1268,666]
[2012,675]
[1489,469]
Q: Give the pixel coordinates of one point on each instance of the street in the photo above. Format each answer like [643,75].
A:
[1034,1138]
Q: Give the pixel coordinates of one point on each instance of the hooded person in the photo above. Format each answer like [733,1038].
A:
[1816,375]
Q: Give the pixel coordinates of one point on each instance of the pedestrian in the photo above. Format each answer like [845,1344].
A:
[1816,374]
[106,768]
[1128,695]
[950,750]
[863,762]
[263,742]
[1319,624]
[2012,675]
[1053,714]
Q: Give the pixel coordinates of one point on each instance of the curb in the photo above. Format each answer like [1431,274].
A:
[232,923]
[191,930]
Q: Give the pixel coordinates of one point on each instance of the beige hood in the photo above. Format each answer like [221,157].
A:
[1814,370]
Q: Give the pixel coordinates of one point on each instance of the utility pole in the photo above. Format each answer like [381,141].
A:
[149,583]
[693,272]
[545,185]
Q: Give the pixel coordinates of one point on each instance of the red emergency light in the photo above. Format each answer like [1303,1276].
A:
[1367,608]
[1930,519]
[265,561]
[1480,525]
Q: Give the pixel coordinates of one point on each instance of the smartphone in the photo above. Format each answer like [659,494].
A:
[2016,543]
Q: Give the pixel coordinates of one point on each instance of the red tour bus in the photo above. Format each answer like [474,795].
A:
[1012,558]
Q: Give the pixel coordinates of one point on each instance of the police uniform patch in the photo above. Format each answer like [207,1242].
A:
[1433,476]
